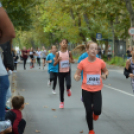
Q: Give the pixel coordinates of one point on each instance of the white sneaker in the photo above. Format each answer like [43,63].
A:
[53,92]
[4,125]
[49,83]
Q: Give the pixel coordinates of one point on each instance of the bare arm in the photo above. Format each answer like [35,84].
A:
[71,60]
[127,67]
[7,31]
[56,59]
[105,73]
[127,64]
[77,75]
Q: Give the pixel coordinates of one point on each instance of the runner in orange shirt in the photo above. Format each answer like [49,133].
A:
[92,83]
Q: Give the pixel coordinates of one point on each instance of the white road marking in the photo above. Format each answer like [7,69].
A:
[118,90]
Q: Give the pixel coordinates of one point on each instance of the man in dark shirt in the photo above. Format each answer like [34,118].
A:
[25,54]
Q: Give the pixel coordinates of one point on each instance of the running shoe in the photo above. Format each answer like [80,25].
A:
[49,83]
[53,92]
[69,92]
[61,105]
[91,132]
[4,125]
[95,117]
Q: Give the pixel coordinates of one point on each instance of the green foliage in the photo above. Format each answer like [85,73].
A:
[117,61]
[19,12]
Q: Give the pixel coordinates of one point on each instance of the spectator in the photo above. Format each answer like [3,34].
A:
[15,115]
[16,57]
[109,53]
[6,27]
[99,52]
[129,52]
[6,33]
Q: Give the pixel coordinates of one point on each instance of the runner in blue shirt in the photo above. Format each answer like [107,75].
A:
[53,70]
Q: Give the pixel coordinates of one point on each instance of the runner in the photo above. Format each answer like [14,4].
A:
[64,57]
[32,58]
[83,56]
[24,56]
[44,53]
[92,83]
[129,70]
[52,69]
[38,57]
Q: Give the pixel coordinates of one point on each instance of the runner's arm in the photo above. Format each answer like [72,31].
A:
[7,31]
[77,75]
[105,73]
[56,59]
[71,60]
[127,72]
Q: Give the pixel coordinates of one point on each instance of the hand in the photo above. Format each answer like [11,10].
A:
[50,61]
[77,77]
[7,69]
[59,58]
[131,75]
[103,76]
[8,130]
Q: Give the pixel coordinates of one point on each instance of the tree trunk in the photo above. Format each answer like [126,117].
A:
[131,13]
[87,22]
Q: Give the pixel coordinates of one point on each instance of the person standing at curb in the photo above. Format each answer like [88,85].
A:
[92,84]
[52,69]
[129,52]
[64,58]
[7,32]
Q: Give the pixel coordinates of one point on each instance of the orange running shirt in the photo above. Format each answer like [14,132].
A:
[92,80]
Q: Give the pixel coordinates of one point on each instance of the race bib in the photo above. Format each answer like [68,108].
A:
[64,64]
[93,79]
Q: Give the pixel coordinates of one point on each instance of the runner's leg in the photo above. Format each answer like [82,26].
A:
[87,101]
[61,86]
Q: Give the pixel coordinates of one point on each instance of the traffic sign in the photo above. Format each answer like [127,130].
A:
[98,36]
[131,31]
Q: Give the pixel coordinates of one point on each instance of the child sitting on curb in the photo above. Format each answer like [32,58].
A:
[15,115]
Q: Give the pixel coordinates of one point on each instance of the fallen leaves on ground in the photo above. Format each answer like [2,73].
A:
[81,131]
[23,90]
[37,131]
[26,103]
[53,109]
[55,116]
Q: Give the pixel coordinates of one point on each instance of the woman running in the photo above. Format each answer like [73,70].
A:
[38,57]
[92,83]
[129,70]
[64,58]
[32,58]
[44,53]
[52,69]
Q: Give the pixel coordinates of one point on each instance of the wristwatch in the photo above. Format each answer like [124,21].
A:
[106,76]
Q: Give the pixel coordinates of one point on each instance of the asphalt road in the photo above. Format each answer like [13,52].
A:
[42,108]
